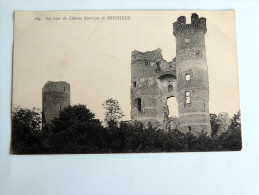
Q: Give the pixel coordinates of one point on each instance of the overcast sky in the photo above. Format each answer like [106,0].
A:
[94,56]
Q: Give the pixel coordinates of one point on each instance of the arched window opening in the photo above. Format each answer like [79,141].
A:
[158,68]
[170,88]
[190,129]
[138,100]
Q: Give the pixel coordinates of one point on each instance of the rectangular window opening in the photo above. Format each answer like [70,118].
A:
[187,40]
[135,84]
[187,77]
[187,97]
[146,63]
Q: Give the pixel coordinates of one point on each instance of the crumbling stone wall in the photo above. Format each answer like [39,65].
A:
[55,97]
[153,80]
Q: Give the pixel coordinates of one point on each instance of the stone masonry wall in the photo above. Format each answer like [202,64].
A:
[55,97]
[191,60]
[151,76]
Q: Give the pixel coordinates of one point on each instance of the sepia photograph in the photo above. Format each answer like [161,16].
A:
[102,82]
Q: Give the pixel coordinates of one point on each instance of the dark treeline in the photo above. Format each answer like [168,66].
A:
[77,131]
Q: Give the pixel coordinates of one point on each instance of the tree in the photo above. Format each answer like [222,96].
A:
[76,131]
[113,112]
[25,131]
[72,115]
[214,124]
[236,121]
[232,140]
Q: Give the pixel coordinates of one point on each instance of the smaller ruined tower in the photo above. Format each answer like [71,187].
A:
[192,75]
[153,81]
[55,97]
[145,92]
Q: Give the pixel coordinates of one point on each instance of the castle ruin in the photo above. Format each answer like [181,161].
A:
[55,97]
[154,80]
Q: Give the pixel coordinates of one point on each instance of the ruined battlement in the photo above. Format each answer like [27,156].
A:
[150,64]
[148,55]
[59,86]
[197,24]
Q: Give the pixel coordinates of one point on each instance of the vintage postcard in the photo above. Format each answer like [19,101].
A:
[125,82]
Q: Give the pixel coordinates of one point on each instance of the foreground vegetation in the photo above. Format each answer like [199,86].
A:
[77,131]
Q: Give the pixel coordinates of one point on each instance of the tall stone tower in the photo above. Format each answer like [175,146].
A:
[192,75]
[55,97]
